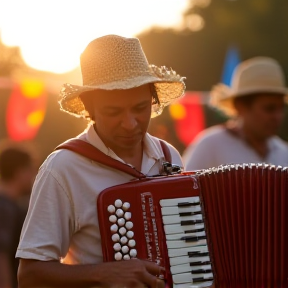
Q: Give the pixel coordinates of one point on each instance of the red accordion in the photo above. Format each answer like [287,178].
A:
[226,225]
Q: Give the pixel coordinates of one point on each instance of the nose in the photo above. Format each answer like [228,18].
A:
[129,121]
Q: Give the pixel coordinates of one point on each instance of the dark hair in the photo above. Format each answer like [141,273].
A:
[246,100]
[11,160]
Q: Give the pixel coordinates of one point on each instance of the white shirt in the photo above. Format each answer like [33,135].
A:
[217,146]
[62,222]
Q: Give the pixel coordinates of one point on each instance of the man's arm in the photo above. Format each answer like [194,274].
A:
[133,273]
[5,271]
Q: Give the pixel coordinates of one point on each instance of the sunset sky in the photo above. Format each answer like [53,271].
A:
[52,34]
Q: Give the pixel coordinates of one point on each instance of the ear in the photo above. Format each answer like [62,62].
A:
[241,107]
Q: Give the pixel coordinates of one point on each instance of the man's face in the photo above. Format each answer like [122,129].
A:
[122,116]
[264,115]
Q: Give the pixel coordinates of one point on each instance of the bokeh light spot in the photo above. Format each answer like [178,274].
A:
[35,118]
[32,88]
[177,111]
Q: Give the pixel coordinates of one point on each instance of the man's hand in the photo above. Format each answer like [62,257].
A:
[130,274]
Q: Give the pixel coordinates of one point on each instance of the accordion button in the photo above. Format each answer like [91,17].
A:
[127,215]
[125,249]
[117,246]
[131,243]
[115,237]
[133,253]
[118,203]
[126,257]
[111,209]
[129,225]
[121,222]
[122,231]
[118,256]
[126,206]
[112,218]
[114,228]
[124,240]
[130,234]
[119,213]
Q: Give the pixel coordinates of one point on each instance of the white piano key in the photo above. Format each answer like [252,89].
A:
[176,201]
[175,210]
[196,285]
[177,228]
[176,219]
[185,251]
[185,268]
[188,277]
[186,259]
[180,235]
[182,244]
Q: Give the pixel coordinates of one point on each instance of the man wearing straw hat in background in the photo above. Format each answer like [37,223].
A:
[120,93]
[256,100]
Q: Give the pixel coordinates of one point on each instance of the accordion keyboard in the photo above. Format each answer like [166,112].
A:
[189,259]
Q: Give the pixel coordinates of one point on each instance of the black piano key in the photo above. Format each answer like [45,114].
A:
[192,238]
[202,279]
[201,271]
[187,204]
[190,222]
[198,254]
[183,214]
[194,231]
[198,263]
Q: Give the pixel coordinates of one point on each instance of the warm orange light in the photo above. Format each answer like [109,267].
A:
[35,119]
[32,88]
[177,111]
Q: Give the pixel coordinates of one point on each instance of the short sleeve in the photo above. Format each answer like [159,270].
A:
[50,221]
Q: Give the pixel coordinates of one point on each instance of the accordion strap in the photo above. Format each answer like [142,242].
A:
[89,151]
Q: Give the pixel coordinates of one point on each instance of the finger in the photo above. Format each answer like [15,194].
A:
[153,268]
[152,281]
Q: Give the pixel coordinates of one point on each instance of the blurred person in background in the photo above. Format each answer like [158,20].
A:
[60,244]
[17,173]
[255,101]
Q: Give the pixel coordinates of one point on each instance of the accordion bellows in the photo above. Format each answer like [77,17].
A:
[246,213]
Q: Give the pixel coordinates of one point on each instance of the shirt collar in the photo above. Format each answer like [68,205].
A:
[151,147]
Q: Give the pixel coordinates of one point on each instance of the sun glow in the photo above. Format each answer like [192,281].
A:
[52,34]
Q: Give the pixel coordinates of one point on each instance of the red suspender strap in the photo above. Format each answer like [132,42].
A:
[89,151]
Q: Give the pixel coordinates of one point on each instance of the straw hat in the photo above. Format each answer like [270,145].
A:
[114,62]
[256,75]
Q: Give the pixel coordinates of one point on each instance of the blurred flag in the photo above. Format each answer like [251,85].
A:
[232,59]
[26,109]
[188,116]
